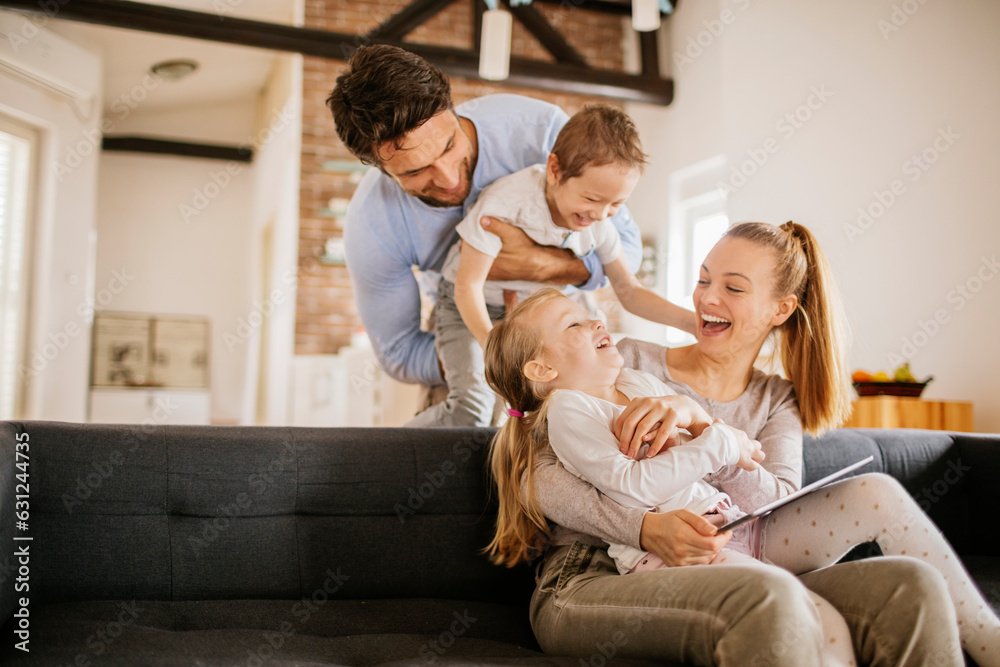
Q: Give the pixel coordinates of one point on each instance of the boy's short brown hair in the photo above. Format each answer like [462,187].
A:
[596,135]
[385,93]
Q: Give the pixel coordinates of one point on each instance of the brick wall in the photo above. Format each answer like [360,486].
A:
[326,314]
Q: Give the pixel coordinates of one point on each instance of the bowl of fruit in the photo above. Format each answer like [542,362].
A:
[900,383]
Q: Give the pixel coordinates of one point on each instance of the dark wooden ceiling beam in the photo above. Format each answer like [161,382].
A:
[547,36]
[478,7]
[181,148]
[340,46]
[409,18]
[649,49]
[604,6]
[618,7]
[569,78]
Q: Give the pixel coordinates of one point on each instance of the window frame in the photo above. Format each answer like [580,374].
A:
[18,376]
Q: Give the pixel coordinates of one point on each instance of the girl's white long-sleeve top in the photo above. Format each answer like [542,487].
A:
[580,433]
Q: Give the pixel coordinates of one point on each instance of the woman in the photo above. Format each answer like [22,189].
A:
[757,279]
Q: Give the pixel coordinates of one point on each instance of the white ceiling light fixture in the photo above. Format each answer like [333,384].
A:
[494,47]
[646,14]
[174,70]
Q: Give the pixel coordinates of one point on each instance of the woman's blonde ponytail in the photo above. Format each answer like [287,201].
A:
[813,341]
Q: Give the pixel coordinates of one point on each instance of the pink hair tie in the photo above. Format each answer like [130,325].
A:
[514,413]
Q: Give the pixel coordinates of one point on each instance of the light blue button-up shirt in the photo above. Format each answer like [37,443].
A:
[387,232]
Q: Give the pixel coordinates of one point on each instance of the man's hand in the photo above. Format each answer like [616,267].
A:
[681,537]
[521,258]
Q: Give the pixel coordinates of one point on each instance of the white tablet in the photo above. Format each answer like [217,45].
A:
[808,488]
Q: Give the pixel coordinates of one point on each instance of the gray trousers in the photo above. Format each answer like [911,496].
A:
[470,401]
[897,609]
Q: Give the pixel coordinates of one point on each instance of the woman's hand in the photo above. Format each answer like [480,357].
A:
[681,537]
[655,420]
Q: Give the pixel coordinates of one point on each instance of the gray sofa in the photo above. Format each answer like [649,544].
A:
[177,545]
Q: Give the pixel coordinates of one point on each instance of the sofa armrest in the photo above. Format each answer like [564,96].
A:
[8,568]
[980,463]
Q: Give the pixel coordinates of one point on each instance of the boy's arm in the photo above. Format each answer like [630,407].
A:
[473,266]
[645,302]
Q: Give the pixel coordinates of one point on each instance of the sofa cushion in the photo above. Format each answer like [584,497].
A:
[279,632]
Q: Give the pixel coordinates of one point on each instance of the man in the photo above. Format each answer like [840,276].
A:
[393,110]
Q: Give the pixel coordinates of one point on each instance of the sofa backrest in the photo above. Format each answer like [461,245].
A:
[185,512]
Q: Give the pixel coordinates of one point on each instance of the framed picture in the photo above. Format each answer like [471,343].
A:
[180,352]
[136,350]
[121,355]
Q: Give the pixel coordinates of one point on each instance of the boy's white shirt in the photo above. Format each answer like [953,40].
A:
[519,199]
[580,433]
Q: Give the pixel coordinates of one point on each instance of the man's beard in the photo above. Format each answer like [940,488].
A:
[461,196]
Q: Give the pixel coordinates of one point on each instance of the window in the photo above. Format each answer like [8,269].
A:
[17,156]
[697,220]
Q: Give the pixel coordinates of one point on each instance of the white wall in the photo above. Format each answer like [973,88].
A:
[886,94]
[179,262]
[191,233]
[63,271]
[278,143]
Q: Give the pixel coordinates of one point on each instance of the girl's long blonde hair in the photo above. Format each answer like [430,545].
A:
[521,529]
[813,341]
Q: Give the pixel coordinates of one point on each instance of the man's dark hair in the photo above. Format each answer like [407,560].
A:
[385,93]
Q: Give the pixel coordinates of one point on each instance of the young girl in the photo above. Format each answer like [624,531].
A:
[563,379]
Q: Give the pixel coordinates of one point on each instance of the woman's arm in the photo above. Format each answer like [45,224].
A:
[654,420]
[644,302]
[586,445]
[679,537]
[577,505]
[780,436]
[473,266]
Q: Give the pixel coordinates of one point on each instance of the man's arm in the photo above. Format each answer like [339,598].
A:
[523,259]
[388,300]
